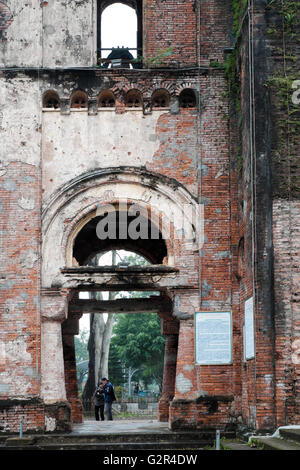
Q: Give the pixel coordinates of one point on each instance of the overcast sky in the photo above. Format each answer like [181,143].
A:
[119,27]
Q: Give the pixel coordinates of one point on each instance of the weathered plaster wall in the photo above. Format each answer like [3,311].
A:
[20,113]
[69,33]
[20,237]
[19,45]
[77,143]
[19,286]
[57,34]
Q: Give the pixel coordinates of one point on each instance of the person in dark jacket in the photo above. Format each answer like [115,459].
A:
[99,402]
[109,397]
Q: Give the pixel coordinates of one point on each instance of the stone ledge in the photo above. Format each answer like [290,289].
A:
[204,399]
[10,402]
[19,441]
[274,443]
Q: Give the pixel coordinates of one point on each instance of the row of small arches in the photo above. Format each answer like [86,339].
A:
[133,99]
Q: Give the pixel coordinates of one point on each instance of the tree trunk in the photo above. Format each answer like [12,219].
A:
[103,368]
[98,345]
[89,387]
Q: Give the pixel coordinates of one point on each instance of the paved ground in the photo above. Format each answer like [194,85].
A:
[115,427]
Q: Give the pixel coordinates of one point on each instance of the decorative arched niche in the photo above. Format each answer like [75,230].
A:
[51,100]
[187,98]
[133,99]
[79,100]
[106,99]
[160,99]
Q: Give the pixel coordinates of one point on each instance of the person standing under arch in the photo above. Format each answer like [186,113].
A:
[109,397]
[99,402]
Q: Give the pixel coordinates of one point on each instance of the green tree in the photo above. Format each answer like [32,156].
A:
[138,341]
[81,342]
[82,356]
[116,368]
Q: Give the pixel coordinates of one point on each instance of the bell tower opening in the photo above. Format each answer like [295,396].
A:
[119,33]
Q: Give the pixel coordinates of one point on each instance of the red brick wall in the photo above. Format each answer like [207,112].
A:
[30,412]
[171,23]
[19,292]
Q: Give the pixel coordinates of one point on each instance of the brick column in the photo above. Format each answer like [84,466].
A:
[168,389]
[70,328]
[53,391]
[183,412]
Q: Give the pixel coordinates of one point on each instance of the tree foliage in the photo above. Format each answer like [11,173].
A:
[138,342]
[81,342]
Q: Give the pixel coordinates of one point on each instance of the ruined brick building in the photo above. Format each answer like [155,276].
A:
[204,140]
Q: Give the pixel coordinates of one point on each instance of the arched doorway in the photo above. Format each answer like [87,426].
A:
[115,227]
[105,203]
[127,346]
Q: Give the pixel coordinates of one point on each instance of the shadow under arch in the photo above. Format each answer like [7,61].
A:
[118,229]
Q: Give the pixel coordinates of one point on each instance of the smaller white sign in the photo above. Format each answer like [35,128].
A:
[249,329]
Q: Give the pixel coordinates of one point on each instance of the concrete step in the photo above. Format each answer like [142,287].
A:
[133,436]
[236,445]
[104,446]
[128,437]
[274,443]
[186,440]
[291,434]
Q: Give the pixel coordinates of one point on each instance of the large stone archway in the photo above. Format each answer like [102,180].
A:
[69,215]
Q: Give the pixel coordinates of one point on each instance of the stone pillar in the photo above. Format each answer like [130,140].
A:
[183,409]
[168,389]
[183,413]
[70,328]
[54,305]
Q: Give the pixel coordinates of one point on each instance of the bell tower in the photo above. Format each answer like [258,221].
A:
[176,147]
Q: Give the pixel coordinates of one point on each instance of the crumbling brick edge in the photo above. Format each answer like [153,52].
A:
[36,416]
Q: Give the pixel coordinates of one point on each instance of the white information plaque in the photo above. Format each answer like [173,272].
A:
[213,343]
[249,329]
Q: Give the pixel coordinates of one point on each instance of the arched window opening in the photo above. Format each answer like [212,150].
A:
[133,99]
[51,100]
[120,230]
[187,98]
[79,100]
[160,99]
[120,28]
[107,99]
